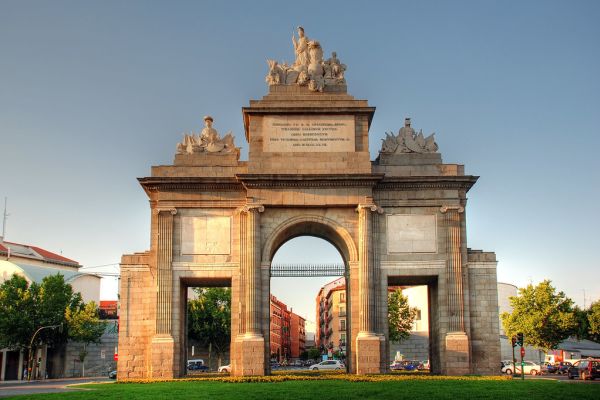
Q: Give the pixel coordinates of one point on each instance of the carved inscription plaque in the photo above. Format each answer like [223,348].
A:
[205,235]
[303,133]
[411,234]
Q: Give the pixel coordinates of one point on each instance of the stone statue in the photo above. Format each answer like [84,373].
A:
[208,141]
[309,68]
[408,141]
[276,73]
[337,68]
[315,68]
[301,50]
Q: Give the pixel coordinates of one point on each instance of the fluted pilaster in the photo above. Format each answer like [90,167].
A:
[454,267]
[250,269]
[367,255]
[164,276]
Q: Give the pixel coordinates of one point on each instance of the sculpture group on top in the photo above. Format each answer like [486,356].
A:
[208,141]
[408,141]
[309,68]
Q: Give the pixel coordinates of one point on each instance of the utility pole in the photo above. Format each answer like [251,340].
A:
[4,220]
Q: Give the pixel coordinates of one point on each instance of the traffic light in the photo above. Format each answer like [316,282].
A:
[520,339]
[514,341]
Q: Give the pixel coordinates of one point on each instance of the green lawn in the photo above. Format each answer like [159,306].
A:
[338,389]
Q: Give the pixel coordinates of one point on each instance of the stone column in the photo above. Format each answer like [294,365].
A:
[250,341]
[368,343]
[457,360]
[163,346]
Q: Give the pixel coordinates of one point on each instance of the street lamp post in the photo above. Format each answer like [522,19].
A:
[29,366]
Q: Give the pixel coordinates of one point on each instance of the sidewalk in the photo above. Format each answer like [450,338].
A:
[53,380]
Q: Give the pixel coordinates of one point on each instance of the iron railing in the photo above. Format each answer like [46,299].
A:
[307,270]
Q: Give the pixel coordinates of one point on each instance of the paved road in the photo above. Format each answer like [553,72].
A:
[14,388]
[562,378]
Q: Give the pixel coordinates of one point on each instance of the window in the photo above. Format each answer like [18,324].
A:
[342,325]
[342,297]
[342,311]
[418,317]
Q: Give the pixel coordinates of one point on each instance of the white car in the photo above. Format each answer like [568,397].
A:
[328,364]
[225,368]
[529,366]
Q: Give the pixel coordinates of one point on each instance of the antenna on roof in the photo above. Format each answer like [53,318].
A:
[4,220]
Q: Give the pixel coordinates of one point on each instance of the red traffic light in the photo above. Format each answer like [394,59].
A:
[522,351]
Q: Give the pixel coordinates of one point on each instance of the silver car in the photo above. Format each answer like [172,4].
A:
[328,364]
[529,367]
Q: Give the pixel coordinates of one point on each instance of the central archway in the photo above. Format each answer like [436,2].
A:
[323,228]
[311,225]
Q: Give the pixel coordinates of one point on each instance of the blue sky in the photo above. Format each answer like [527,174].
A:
[94,93]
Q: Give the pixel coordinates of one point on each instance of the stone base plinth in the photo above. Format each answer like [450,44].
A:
[368,354]
[409,159]
[163,351]
[250,358]
[457,354]
[207,159]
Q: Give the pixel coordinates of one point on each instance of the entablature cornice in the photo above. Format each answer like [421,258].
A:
[271,181]
[183,184]
[427,182]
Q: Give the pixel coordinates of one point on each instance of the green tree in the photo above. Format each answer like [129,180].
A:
[25,308]
[545,317]
[400,316]
[209,319]
[29,314]
[16,301]
[314,353]
[582,330]
[84,326]
[593,316]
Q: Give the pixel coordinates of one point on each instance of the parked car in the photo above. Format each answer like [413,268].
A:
[559,368]
[423,365]
[585,369]
[112,375]
[406,365]
[195,364]
[411,365]
[529,367]
[225,368]
[328,364]
[504,363]
[397,366]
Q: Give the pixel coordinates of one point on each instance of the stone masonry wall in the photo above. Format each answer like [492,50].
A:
[483,298]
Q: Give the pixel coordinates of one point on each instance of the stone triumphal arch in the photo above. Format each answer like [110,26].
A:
[216,220]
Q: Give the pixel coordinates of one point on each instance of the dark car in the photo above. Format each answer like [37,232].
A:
[411,365]
[585,369]
[563,367]
[198,367]
[112,375]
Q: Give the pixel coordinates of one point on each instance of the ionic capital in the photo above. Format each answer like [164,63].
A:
[158,210]
[254,207]
[458,209]
[371,207]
